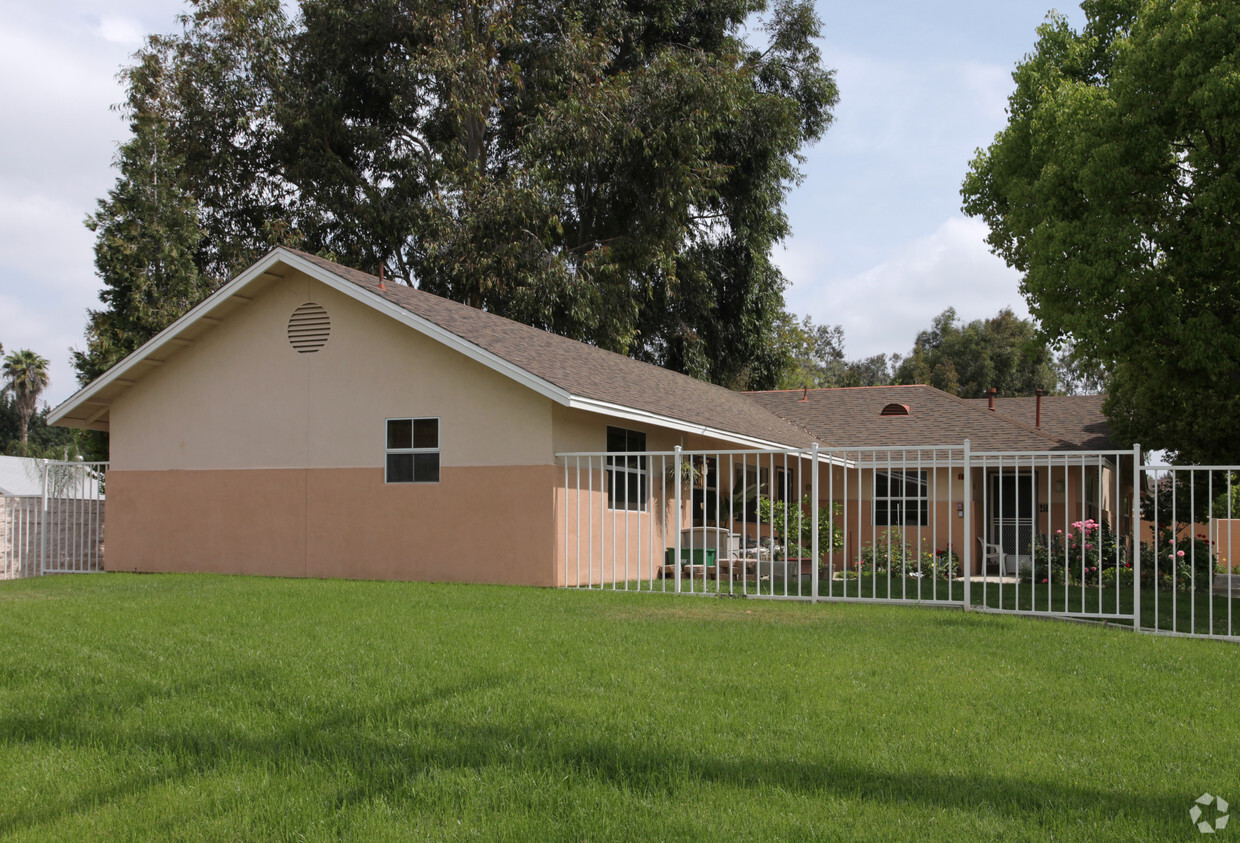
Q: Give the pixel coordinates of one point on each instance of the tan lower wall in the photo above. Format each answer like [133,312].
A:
[478,524]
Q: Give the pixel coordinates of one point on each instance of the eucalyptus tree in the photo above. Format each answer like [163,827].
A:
[610,171]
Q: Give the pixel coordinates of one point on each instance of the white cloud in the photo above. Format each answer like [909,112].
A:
[119,30]
[884,307]
[43,238]
[989,87]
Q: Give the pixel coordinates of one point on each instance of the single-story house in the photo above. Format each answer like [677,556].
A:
[308,419]
[1038,465]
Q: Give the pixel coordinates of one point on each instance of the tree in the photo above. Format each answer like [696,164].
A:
[187,207]
[611,172]
[813,357]
[1113,188]
[1003,352]
[26,377]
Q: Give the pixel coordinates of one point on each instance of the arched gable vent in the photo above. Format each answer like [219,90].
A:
[309,328]
[895,410]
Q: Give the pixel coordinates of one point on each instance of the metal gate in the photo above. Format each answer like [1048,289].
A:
[59,531]
[1093,535]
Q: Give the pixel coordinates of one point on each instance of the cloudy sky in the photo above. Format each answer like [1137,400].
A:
[879,244]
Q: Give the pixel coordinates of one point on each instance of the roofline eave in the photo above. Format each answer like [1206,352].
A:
[424,326]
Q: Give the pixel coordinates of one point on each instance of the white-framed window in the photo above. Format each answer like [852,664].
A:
[412,451]
[627,471]
[901,499]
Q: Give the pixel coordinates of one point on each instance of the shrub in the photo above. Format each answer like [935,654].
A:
[1079,557]
[794,527]
[904,557]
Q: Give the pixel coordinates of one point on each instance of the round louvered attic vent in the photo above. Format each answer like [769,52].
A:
[309,327]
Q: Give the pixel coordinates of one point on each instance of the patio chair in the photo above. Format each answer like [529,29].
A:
[992,553]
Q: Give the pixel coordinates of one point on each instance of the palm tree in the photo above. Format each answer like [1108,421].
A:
[26,376]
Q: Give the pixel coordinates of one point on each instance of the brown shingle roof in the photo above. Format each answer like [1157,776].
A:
[586,371]
[850,417]
[1073,418]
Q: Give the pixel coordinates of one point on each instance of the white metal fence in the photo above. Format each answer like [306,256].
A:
[59,531]
[1093,535]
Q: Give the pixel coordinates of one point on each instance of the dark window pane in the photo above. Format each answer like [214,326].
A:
[425,468]
[400,468]
[400,433]
[617,439]
[426,433]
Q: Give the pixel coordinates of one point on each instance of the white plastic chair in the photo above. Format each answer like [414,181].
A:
[992,553]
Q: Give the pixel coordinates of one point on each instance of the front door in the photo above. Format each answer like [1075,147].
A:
[1012,503]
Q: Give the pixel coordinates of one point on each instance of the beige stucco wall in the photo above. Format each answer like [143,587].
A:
[241,397]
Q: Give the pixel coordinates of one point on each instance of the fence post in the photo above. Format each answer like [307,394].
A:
[1136,537]
[676,522]
[813,565]
[968,526]
[43,520]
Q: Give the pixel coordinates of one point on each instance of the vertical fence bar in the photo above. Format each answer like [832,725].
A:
[1192,550]
[968,524]
[814,537]
[577,495]
[1135,554]
[43,519]
[676,518]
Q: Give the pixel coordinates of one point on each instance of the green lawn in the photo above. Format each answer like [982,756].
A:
[1198,612]
[196,707]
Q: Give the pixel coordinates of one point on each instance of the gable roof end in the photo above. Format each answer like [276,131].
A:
[568,372]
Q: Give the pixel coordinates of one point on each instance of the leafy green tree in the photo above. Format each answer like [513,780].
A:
[43,441]
[814,357]
[1113,188]
[25,375]
[611,172]
[1003,352]
[146,235]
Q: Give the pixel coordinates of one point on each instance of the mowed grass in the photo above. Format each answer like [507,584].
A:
[198,707]
[1163,609]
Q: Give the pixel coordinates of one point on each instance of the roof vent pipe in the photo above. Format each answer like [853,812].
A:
[382,286]
[1037,413]
[991,394]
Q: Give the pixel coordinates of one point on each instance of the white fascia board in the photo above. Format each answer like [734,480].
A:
[630,414]
[163,337]
[425,326]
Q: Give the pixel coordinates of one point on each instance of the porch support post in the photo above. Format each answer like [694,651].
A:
[968,525]
[1136,537]
[814,542]
[676,521]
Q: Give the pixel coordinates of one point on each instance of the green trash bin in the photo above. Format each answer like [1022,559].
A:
[699,556]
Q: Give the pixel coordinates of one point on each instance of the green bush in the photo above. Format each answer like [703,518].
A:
[904,557]
[1081,556]
[794,527]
